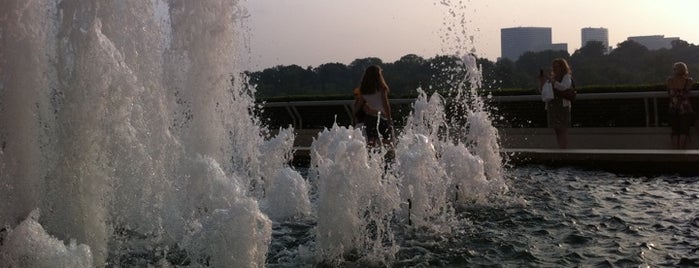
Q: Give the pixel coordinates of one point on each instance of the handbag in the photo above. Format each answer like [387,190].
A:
[569,94]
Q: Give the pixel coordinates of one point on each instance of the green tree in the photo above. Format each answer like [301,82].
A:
[591,50]
[406,75]
[504,73]
[444,72]
[334,78]
[489,75]
[588,64]
[628,63]
[530,63]
[357,67]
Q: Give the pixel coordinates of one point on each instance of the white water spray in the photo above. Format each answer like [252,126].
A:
[355,198]
[28,245]
[126,123]
[446,156]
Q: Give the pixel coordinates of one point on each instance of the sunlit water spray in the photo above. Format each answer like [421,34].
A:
[126,129]
[446,156]
[129,139]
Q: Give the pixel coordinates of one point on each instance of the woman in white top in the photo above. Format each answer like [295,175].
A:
[373,101]
[558,109]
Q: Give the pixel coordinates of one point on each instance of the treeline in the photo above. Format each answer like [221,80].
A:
[629,63]
[403,76]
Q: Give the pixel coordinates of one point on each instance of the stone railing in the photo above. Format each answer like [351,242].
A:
[600,120]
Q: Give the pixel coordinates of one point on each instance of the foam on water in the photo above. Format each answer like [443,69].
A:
[231,231]
[356,199]
[286,194]
[28,245]
[364,198]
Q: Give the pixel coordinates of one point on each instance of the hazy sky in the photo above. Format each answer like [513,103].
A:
[313,32]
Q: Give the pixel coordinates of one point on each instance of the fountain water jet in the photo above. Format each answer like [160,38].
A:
[126,123]
[446,156]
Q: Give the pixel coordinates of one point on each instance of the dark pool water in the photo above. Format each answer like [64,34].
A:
[552,217]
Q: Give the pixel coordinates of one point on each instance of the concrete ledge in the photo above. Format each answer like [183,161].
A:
[641,150]
[656,138]
[632,161]
[631,138]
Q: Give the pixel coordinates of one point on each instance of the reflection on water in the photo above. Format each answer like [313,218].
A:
[551,218]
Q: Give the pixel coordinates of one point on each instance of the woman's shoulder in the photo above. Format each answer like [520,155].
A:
[680,79]
[675,79]
[674,82]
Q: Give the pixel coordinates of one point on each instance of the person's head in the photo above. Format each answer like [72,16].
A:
[680,69]
[560,68]
[372,80]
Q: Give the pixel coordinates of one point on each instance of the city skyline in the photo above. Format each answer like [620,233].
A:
[516,41]
[313,32]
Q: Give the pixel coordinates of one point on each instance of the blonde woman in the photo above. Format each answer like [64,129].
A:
[681,114]
[558,109]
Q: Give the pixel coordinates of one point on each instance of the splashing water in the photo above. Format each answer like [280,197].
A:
[125,125]
[28,245]
[446,156]
[355,198]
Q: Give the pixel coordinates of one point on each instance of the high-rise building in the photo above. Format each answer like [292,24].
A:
[595,34]
[654,42]
[559,46]
[516,41]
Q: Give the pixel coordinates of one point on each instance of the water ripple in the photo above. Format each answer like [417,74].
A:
[571,218]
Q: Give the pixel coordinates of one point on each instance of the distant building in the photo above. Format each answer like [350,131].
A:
[654,42]
[516,41]
[595,34]
[559,47]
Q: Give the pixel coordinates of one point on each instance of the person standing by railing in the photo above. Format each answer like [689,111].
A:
[357,111]
[373,101]
[680,110]
[558,108]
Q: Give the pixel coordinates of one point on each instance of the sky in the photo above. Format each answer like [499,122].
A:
[314,32]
